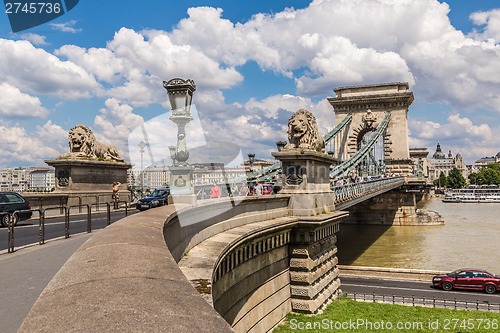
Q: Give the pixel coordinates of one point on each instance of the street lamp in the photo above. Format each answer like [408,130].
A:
[142,145]
[280,145]
[172,150]
[251,159]
[180,93]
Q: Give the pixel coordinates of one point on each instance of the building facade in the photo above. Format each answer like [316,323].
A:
[441,163]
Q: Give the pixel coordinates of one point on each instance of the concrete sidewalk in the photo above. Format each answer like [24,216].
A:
[25,273]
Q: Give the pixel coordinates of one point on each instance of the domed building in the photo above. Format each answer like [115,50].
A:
[442,163]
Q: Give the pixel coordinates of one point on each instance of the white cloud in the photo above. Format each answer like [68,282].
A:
[459,134]
[489,21]
[115,123]
[65,27]
[20,146]
[14,103]
[36,71]
[35,39]
[328,44]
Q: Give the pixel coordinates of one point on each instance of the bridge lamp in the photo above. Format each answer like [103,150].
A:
[142,145]
[172,150]
[180,93]
[251,159]
[280,145]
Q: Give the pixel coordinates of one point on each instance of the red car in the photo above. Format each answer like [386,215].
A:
[466,278]
[267,188]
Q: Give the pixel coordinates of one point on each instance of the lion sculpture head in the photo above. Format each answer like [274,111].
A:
[303,132]
[82,143]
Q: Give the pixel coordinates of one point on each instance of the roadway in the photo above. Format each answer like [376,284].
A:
[385,289]
[27,232]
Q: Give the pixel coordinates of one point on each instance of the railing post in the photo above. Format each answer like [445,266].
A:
[89,220]
[108,213]
[10,227]
[41,228]
[66,222]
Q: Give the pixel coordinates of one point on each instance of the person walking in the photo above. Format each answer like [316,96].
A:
[215,191]
[258,187]
[115,196]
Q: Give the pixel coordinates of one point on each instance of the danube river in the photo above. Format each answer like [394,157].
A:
[470,237]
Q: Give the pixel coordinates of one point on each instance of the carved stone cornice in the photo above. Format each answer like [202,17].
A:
[373,102]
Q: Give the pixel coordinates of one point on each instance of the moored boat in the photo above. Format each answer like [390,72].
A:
[490,193]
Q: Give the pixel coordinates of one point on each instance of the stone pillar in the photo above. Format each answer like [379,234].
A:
[314,274]
[306,177]
[314,278]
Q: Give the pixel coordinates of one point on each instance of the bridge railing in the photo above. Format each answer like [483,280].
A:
[65,212]
[445,303]
[360,189]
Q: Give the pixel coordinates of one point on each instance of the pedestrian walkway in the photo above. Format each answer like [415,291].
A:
[25,274]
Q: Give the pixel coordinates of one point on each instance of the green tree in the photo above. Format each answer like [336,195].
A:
[489,175]
[441,181]
[455,179]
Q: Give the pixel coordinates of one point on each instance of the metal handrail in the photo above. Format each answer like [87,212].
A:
[426,302]
[356,190]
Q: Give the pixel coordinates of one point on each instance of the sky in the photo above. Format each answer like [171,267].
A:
[254,63]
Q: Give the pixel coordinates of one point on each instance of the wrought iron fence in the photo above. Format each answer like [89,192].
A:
[423,301]
[352,191]
[63,211]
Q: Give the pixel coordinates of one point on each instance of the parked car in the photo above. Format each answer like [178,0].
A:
[158,197]
[466,278]
[11,202]
[267,188]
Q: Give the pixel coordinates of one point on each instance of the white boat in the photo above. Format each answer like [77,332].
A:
[489,193]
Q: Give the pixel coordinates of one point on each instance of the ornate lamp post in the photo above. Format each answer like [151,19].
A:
[180,93]
[251,159]
[280,145]
[142,144]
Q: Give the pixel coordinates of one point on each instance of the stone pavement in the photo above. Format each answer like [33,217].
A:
[25,274]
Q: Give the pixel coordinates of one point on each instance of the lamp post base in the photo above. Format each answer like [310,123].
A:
[184,199]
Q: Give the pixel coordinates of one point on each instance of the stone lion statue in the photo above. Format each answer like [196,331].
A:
[83,144]
[303,132]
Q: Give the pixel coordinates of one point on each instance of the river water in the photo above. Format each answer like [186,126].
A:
[470,237]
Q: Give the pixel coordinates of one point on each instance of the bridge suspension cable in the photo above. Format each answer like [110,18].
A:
[273,169]
[362,153]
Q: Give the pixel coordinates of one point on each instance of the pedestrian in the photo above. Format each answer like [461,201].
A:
[115,196]
[215,191]
[258,187]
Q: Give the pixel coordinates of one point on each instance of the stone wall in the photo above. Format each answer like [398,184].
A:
[392,208]
[127,277]
[251,284]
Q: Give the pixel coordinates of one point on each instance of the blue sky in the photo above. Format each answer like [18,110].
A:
[254,62]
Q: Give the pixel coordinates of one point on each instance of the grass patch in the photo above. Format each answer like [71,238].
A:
[346,315]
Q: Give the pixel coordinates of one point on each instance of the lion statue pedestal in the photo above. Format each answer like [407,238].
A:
[306,179]
[306,167]
[90,168]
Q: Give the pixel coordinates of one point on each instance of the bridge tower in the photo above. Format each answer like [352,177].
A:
[368,104]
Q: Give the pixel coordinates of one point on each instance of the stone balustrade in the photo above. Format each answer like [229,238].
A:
[127,276]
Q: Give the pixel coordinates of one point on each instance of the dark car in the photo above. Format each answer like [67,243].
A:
[13,205]
[466,278]
[157,198]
